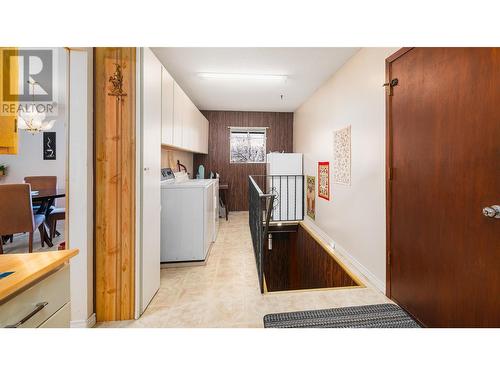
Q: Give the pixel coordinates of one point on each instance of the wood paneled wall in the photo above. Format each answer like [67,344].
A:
[279,138]
[298,260]
[114,185]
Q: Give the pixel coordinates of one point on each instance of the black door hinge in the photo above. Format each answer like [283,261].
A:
[394,82]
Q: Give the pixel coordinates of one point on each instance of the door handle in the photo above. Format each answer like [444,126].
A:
[492,211]
[38,307]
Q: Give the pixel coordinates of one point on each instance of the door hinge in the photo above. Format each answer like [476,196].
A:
[391,173]
[389,258]
[389,85]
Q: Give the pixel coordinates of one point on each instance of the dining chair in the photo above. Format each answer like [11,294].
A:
[41,183]
[16,214]
[56,214]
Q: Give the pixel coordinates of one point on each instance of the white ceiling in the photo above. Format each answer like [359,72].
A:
[306,68]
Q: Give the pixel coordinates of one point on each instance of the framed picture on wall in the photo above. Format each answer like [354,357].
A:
[342,155]
[324,180]
[311,197]
[49,146]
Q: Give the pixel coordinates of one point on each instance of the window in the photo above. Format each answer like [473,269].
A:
[247,145]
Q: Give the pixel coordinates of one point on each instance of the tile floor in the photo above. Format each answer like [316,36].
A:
[225,292]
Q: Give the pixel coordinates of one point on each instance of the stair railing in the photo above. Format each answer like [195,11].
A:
[260,212]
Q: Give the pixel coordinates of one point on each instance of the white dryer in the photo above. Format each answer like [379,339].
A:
[189,222]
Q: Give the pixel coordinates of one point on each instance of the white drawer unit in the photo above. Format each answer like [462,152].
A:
[60,319]
[45,303]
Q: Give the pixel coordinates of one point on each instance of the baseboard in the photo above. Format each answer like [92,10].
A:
[375,281]
[88,323]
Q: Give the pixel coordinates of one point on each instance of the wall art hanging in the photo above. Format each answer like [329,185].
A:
[311,197]
[49,145]
[324,180]
[342,156]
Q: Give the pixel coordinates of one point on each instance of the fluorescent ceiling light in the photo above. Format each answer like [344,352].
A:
[243,76]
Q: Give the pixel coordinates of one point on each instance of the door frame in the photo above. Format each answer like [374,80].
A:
[138,308]
[388,166]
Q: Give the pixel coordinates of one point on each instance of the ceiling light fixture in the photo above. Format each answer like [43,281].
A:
[32,119]
[243,76]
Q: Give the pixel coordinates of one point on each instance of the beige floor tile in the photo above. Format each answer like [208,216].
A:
[225,291]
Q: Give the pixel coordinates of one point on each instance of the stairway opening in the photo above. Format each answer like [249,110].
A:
[294,258]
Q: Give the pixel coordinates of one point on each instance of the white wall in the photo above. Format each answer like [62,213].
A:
[29,159]
[185,157]
[354,218]
[80,167]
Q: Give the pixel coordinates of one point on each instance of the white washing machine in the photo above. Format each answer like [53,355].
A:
[189,219]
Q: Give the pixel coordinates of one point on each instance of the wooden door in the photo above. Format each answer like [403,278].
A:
[151,176]
[444,167]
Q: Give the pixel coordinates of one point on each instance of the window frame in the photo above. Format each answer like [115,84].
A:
[248,130]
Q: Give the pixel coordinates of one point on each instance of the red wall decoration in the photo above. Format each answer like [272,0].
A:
[324,180]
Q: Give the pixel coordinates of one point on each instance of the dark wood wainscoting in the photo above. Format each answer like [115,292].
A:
[299,260]
[279,138]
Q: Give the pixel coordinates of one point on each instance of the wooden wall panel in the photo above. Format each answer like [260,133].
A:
[279,261]
[279,138]
[114,185]
[298,261]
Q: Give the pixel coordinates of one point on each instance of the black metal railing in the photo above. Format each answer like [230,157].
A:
[288,191]
[289,197]
[272,199]
[260,210]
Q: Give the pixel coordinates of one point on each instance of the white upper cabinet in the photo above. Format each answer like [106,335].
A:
[187,124]
[167,107]
[178,115]
[183,125]
[204,135]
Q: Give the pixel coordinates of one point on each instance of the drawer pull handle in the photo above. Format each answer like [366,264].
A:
[38,307]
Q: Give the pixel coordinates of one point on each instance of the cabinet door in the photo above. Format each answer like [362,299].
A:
[204,135]
[167,108]
[179,104]
[151,164]
[189,125]
[186,128]
[8,125]
[198,131]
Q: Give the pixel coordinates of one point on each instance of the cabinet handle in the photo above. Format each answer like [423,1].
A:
[38,307]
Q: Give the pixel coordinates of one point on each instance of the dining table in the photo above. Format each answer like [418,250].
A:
[44,200]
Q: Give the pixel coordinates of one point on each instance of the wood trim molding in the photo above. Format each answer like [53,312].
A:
[114,182]
[396,55]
